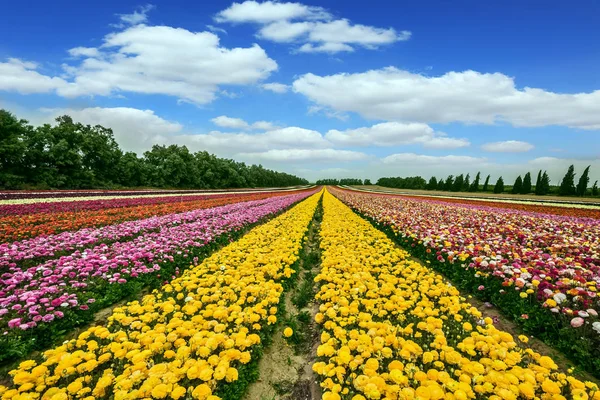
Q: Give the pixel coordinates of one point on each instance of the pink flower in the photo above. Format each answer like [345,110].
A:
[481,287]
[13,323]
[577,322]
[524,316]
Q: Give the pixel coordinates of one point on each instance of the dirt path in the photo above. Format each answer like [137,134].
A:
[285,369]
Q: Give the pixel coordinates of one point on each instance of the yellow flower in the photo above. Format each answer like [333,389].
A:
[287,332]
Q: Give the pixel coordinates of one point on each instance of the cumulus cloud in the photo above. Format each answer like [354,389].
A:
[468,97]
[307,155]
[139,16]
[275,87]
[508,146]
[395,134]
[150,60]
[21,76]
[314,27]
[237,123]
[420,159]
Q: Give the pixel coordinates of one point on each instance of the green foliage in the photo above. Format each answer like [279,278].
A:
[412,182]
[458,183]
[542,186]
[499,188]
[518,185]
[583,182]
[441,184]
[71,155]
[432,184]
[526,188]
[475,185]
[449,182]
[567,185]
[343,181]
[486,184]
[595,189]
[367,182]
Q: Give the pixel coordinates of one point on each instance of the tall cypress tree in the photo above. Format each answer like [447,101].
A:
[486,184]
[475,185]
[583,182]
[518,185]
[595,189]
[432,184]
[538,183]
[526,184]
[545,183]
[467,183]
[458,183]
[449,182]
[567,186]
[441,184]
[499,188]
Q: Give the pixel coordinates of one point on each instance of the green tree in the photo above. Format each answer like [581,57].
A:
[458,183]
[583,182]
[567,185]
[499,188]
[475,185]
[518,185]
[432,184]
[486,184]
[367,182]
[595,189]
[526,189]
[538,182]
[466,183]
[12,150]
[441,184]
[448,183]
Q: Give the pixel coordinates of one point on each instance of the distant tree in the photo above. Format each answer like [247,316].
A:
[545,183]
[458,183]
[411,182]
[567,185]
[518,185]
[486,184]
[499,188]
[448,183]
[538,182]
[475,185]
[12,149]
[441,184]
[526,189]
[367,182]
[432,184]
[595,189]
[466,183]
[583,182]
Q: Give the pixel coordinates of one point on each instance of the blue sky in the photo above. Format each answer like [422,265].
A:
[388,88]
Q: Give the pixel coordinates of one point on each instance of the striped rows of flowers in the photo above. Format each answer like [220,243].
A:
[543,270]
[56,194]
[18,226]
[393,329]
[41,293]
[195,338]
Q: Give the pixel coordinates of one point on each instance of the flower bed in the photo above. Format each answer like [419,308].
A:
[198,337]
[394,329]
[64,288]
[20,226]
[541,270]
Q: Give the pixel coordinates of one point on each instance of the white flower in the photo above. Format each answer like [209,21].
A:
[559,297]
[189,298]
[583,314]
[596,326]
[593,312]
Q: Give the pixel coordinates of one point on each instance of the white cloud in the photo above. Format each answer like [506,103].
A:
[307,155]
[388,134]
[134,129]
[269,11]
[468,97]
[21,76]
[84,52]
[149,60]
[314,27]
[420,159]
[139,16]
[216,29]
[508,146]
[227,122]
[275,87]
[237,123]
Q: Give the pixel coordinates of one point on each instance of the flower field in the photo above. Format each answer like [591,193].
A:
[541,269]
[193,338]
[199,289]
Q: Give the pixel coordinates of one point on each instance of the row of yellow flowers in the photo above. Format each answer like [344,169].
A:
[394,329]
[188,340]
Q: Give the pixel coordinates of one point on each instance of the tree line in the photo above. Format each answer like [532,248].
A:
[343,181]
[522,185]
[71,155]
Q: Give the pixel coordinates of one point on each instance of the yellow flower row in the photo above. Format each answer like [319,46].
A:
[393,329]
[185,339]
